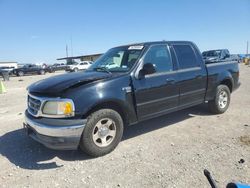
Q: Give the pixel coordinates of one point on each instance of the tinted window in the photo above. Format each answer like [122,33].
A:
[186,56]
[160,57]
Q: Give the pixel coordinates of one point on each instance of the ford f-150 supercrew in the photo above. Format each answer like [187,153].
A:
[126,85]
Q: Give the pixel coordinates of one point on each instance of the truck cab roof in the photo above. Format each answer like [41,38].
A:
[157,42]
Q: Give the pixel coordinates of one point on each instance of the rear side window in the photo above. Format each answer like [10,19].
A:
[186,56]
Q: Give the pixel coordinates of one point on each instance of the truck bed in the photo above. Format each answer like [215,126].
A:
[218,71]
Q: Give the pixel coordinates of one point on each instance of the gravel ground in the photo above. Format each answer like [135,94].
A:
[169,151]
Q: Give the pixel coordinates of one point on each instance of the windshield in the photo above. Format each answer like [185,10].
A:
[120,59]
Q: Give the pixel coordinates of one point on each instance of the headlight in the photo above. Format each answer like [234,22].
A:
[61,108]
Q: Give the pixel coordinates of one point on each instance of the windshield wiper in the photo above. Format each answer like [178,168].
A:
[102,69]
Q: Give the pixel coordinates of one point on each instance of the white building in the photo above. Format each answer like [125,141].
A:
[10,65]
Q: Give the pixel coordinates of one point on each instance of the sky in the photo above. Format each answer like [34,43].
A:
[37,31]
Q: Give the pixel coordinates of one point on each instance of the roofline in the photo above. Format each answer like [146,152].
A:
[154,42]
[8,62]
[215,50]
[78,57]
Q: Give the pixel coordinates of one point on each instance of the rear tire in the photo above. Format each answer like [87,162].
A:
[221,101]
[75,69]
[102,133]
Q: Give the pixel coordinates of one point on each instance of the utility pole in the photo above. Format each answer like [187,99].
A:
[71,46]
[247,47]
[67,55]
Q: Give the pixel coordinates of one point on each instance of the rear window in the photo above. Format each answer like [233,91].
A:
[186,56]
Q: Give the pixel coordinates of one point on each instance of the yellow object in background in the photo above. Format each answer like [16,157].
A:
[246,61]
[2,88]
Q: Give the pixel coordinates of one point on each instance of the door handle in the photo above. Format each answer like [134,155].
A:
[170,81]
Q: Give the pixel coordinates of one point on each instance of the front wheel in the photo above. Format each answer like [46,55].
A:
[102,133]
[222,100]
[20,73]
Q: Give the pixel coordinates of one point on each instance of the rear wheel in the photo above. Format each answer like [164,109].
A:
[75,69]
[102,133]
[222,100]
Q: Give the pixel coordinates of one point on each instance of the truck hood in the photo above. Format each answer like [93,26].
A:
[57,84]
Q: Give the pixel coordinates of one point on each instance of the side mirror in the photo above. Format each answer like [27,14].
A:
[147,68]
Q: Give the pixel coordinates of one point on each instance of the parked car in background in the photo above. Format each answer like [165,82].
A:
[29,69]
[8,69]
[56,67]
[212,56]
[8,66]
[150,79]
[78,66]
[236,57]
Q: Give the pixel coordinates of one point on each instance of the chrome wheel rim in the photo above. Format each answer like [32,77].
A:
[223,99]
[104,132]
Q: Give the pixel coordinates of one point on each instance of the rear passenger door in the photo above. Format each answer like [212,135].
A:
[192,75]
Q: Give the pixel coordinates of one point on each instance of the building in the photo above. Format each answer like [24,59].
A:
[12,65]
[91,57]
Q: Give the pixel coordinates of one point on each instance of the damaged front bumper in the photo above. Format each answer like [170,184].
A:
[62,134]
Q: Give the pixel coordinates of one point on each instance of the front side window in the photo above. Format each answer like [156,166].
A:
[120,59]
[159,56]
[186,56]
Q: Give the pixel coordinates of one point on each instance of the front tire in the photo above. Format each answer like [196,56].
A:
[102,133]
[20,73]
[222,100]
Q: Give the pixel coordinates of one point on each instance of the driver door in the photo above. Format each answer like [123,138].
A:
[157,93]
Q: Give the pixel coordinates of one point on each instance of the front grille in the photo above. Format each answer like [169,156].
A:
[33,105]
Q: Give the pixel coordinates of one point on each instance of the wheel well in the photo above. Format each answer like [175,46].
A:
[228,83]
[109,105]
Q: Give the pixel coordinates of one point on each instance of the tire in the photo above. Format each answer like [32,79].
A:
[222,100]
[41,72]
[96,141]
[75,69]
[20,73]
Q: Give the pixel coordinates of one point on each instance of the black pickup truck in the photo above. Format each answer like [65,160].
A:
[29,69]
[126,85]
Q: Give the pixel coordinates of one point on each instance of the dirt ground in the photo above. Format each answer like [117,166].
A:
[169,151]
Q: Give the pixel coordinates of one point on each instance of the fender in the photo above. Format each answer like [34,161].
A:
[224,77]
[104,93]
